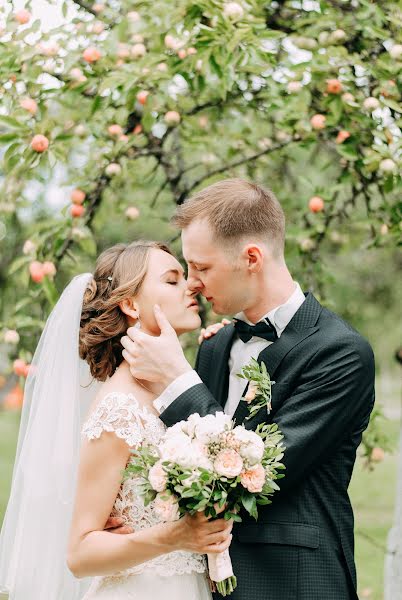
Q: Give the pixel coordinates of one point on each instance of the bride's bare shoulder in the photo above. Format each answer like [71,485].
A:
[119,386]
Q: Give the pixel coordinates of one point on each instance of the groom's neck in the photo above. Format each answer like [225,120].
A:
[275,288]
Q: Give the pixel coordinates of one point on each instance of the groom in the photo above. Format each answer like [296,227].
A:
[302,547]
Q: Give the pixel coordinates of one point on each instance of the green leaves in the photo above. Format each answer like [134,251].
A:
[258,394]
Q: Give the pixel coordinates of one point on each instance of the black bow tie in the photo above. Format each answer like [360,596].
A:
[263,329]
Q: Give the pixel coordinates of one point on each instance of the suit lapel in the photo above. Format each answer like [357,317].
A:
[301,326]
[219,375]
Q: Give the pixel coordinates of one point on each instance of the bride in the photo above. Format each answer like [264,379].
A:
[76,435]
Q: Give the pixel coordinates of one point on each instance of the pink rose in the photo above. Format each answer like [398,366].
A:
[228,463]
[158,477]
[253,479]
[251,392]
[166,507]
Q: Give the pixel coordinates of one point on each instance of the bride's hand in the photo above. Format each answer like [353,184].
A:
[211,330]
[199,534]
[116,525]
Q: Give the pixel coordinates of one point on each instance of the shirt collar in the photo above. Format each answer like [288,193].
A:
[282,314]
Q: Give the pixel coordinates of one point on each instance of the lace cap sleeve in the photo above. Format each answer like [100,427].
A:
[119,413]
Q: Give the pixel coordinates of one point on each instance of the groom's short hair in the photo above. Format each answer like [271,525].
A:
[235,209]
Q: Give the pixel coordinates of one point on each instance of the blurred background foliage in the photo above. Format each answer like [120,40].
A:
[140,103]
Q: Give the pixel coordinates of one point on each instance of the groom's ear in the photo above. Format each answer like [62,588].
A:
[253,254]
[129,308]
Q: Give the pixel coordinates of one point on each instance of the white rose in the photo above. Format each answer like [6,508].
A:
[158,477]
[251,445]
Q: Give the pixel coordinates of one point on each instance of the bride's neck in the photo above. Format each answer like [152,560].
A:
[150,386]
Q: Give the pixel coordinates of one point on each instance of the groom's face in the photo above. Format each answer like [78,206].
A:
[215,272]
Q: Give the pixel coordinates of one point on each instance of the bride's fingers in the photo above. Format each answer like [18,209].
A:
[122,530]
[220,547]
[113,522]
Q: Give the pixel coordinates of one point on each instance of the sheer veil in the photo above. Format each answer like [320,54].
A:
[57,396]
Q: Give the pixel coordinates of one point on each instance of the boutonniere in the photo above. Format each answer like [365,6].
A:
[259,390]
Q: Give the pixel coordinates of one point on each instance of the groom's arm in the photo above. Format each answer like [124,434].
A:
[188,394]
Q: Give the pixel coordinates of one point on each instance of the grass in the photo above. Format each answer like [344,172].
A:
[372,494]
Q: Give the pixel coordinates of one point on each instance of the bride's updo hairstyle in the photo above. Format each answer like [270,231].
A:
[119,274]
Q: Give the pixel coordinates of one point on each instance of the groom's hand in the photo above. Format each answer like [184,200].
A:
[155,358]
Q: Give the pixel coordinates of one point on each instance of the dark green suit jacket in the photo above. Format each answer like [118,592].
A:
[302,547]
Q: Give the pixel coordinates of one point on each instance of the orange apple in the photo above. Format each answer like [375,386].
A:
[334,86]
[39,143]
[77,196]
[172,118]
[142,96]
[77,210]
[318,121]
[91,54]
[48,268]
[115,130]
[30,105]
[22,16]
[342,136]
[316,204]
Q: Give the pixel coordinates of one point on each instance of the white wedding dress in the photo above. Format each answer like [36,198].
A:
[178,575]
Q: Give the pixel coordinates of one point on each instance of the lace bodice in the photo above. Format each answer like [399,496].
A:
[122,414]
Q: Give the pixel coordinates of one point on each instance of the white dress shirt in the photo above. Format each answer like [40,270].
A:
[240,355]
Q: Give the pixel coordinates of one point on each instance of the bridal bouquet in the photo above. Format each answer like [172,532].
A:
[209,464]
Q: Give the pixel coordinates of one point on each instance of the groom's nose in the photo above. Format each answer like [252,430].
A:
[194,284]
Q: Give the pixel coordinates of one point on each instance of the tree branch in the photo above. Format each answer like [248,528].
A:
[232,165]
[86,6]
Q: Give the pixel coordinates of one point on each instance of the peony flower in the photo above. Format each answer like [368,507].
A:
[183,451]
[253,479]
[158,477]
[228,463]
[166,507]
[251,392]
[209,428]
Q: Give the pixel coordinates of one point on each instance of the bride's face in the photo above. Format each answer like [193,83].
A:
[165,284]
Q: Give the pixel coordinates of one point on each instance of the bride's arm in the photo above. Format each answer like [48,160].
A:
[93,551]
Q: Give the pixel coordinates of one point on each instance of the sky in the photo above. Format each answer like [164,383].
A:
[48,12]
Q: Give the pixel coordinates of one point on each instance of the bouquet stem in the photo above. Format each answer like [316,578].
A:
[221,572]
